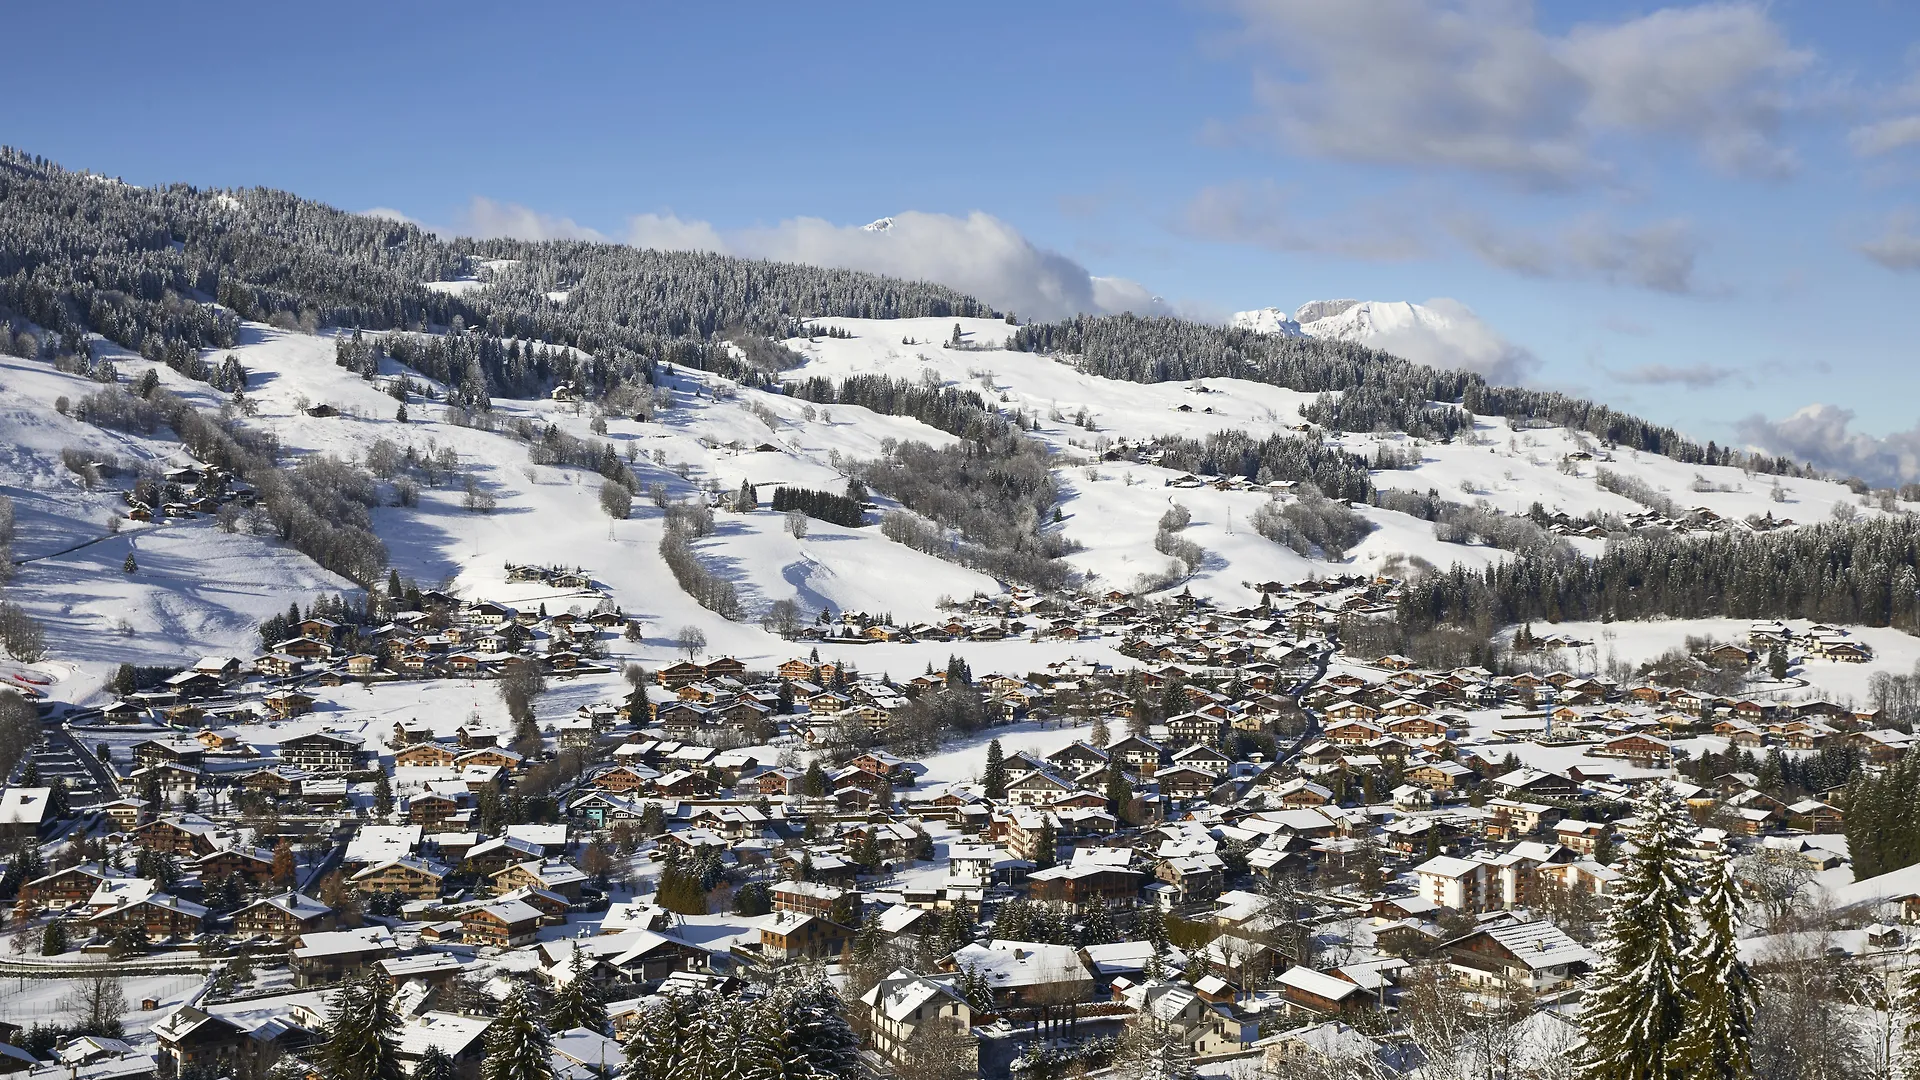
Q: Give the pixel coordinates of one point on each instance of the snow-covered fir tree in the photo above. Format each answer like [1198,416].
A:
[518,1046]
[361,1031]
[1638,1007]
[577,1003]
[796,1031]
[1717,1042]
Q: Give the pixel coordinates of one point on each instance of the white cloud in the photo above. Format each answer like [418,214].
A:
[390,214]
[1263,215]
[1898,245]
[1658,256]
[1448,334]
[1715,73]
[1691,376]
[670,233]
[485,217]
[1478,86]
[1821,434]
[1885,136]
[979,254]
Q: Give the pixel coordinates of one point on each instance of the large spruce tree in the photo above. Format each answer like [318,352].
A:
[518,1046]
[577,1004]
[361,1031]
[993,778]
[1638,1007]
[1717,1042]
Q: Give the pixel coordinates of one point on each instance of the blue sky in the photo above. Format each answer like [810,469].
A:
[1705,213]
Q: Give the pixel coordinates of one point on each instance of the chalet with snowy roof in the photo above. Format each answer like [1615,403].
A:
[1536,955]
[409,876]
[193,1042]
[1023,973]
[506,924]
[1638,748]
[795,935]
[283,917]
[63,889]
[160,916]
[1315,993]
[179,834]
[323,957]
[426,755]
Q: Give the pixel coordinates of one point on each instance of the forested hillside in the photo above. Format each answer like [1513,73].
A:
[1841,572]
[1376,391]
[80,252]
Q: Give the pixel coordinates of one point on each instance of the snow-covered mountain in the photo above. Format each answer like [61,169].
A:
[1441,332]
[1360,321]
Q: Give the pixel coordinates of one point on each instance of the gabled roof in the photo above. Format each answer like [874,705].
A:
[296,904]
[901,993]
[1537,944]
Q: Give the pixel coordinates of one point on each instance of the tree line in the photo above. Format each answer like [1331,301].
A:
[1883,818]
[1300,458]
[997,494]
[1364,389]
[320,507]
[948,408]
[1859,571]
[825,505]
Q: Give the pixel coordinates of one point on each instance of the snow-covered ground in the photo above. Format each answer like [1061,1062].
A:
[197,590]
[1809,677]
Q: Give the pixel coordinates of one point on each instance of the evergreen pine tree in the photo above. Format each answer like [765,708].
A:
[1119,792]
[361,1026]
[993,778]
[1603,845]
[1098,928]
[1716,1043]
[1637,1009]
[517,1044]
[434,1065]
[129,566]
[815,1039]
[1043,853]
[577,1003]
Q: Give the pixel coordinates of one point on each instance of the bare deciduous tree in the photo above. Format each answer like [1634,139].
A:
[692,639]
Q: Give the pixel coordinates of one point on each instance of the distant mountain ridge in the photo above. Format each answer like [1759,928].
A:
[1363,322]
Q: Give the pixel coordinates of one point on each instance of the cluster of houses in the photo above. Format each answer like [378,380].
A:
[448,637]
[1324,832]
[184,493]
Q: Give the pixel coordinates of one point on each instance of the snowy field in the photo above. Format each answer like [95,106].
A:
[199,591]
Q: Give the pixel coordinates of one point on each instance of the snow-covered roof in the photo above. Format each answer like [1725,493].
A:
[339,942]
[1540,945]
[1022,963]
[1317,983]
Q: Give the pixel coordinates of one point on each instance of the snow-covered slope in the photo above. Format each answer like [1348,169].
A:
[198,590]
